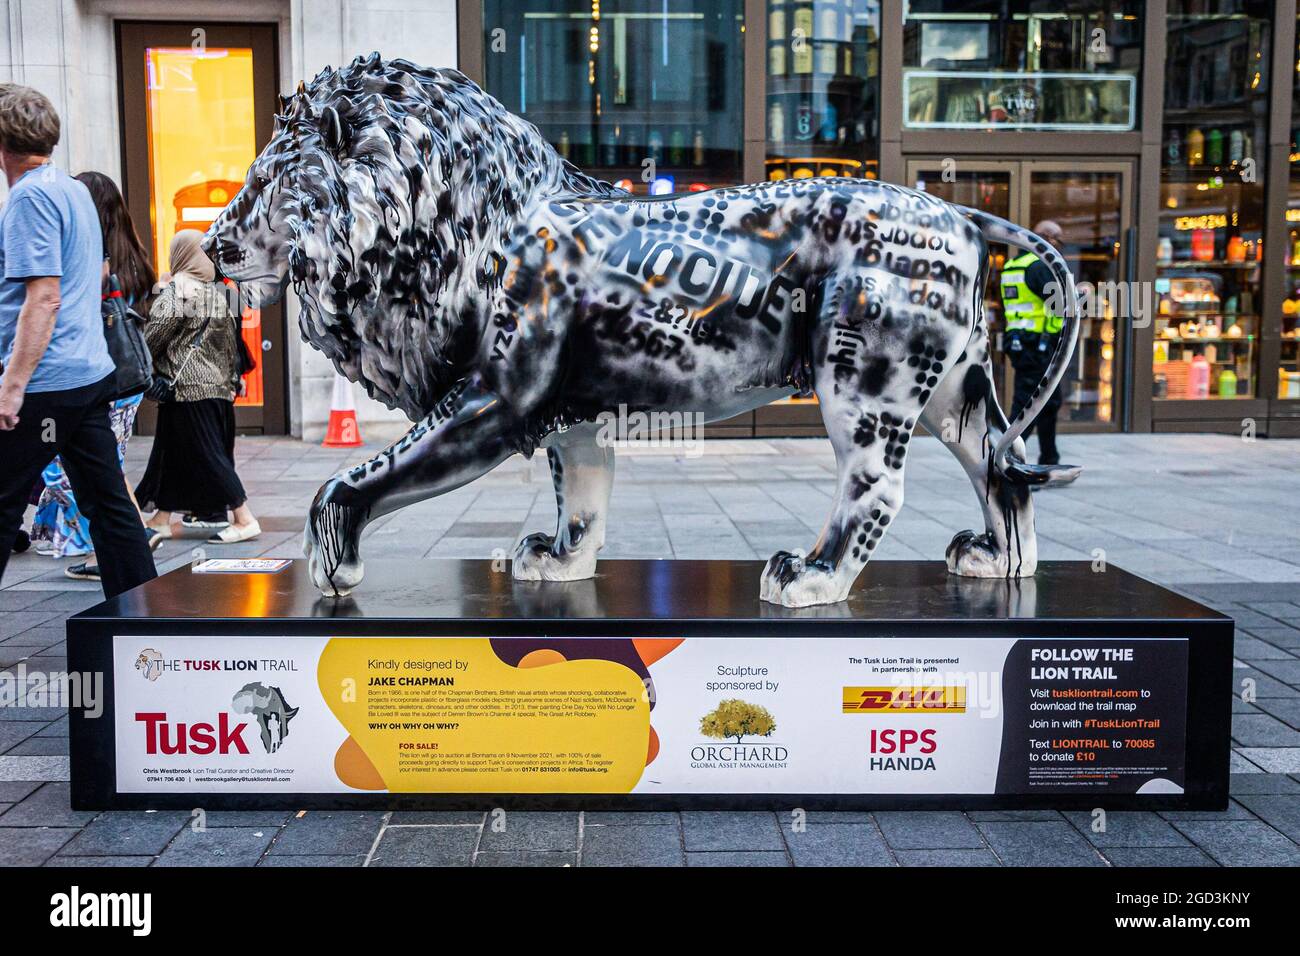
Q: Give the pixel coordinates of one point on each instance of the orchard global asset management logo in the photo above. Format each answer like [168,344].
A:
[733,723]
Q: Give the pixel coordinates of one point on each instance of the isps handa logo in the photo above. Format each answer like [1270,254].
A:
[902,749]
[222,735]
[732,721]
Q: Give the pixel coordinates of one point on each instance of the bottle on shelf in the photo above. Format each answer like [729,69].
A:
[1173,148]
[1227,383]
[1195,147]
[1236,146]
[697,148]
[778,43]
[1164,251]
[776,122]
[1198,380]
[1214,147]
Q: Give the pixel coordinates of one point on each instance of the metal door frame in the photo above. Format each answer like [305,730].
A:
[131,39]
[1021,172]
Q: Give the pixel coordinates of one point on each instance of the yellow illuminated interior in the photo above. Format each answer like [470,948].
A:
[202,139]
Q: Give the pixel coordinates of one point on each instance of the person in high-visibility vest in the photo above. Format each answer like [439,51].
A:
[1032,333]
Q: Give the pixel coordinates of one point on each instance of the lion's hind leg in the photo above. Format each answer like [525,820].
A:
[965,415]
[582,469]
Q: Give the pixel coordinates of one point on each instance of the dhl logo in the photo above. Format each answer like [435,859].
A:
[877,700]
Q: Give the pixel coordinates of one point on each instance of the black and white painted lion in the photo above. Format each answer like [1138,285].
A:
[451,262]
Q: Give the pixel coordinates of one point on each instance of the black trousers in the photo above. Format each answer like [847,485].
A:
[73,424]
[1030,365]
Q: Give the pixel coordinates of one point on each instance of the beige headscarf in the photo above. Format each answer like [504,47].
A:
[190,265]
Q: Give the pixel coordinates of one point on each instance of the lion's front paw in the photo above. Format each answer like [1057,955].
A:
[974,555]
[791,581]
[536,559]
[331,538]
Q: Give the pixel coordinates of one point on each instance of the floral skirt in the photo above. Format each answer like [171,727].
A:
[59,528]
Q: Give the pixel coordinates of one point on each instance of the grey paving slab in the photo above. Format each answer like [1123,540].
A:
[1119,828]
[928,830]
[527,830]
[635,845]
[946,858]
[636,818]
[1174,856]
[307,860]
[319,832]
[127,834]
[217,846]
[49,805]
[1281,811]
[1244,783]
[735,858]
[24,847]
[1039,844]
[527,858]
[1273,759]
[425,846]
[720,830]
[1241,842]
[436,818]
[99,861]
[838,844]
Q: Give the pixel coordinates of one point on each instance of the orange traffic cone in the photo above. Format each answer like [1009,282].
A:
[342,431]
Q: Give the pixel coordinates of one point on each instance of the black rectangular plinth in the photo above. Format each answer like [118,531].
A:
[1156,643]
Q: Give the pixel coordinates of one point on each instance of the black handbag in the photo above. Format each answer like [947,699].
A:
[163,388]
[124,335]
[243,357]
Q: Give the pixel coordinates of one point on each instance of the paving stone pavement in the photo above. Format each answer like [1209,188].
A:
[1213,516]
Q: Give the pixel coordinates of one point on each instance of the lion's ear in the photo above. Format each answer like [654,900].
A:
[331,129]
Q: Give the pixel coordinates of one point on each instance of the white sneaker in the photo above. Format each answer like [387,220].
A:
[234,535]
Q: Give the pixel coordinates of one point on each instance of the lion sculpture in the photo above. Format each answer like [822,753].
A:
[449,260]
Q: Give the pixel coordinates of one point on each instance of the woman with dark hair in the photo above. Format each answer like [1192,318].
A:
[59,528]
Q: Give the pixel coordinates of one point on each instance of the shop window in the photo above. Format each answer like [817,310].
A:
[645,93]
[1022,64]
[202,139]
[1288,385]
[823,88]
[1212,200]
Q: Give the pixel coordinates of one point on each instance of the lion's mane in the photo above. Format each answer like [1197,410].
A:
[403,215]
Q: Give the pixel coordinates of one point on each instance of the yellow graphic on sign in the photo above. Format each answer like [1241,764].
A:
[878,700]
[447,715]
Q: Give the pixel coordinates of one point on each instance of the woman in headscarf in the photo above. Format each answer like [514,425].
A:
[193,335]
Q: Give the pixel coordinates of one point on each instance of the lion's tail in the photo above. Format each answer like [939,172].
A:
[997,229]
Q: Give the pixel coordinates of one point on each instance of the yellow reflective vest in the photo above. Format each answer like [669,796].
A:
[1025,311]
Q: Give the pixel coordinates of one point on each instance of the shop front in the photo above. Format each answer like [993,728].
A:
[1157,134]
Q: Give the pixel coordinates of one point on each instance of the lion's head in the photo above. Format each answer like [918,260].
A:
[386,197]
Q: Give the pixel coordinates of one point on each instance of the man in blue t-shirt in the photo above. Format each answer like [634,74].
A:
[58,378]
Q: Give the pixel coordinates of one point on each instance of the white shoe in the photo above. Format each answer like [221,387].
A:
[234,535]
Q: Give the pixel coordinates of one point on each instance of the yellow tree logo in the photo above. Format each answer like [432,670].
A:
[738,718]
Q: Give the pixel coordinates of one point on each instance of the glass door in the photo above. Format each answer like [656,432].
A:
[197,106]
[1091,204]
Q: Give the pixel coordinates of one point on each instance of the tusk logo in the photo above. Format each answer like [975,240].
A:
[272,711]
[149,664]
